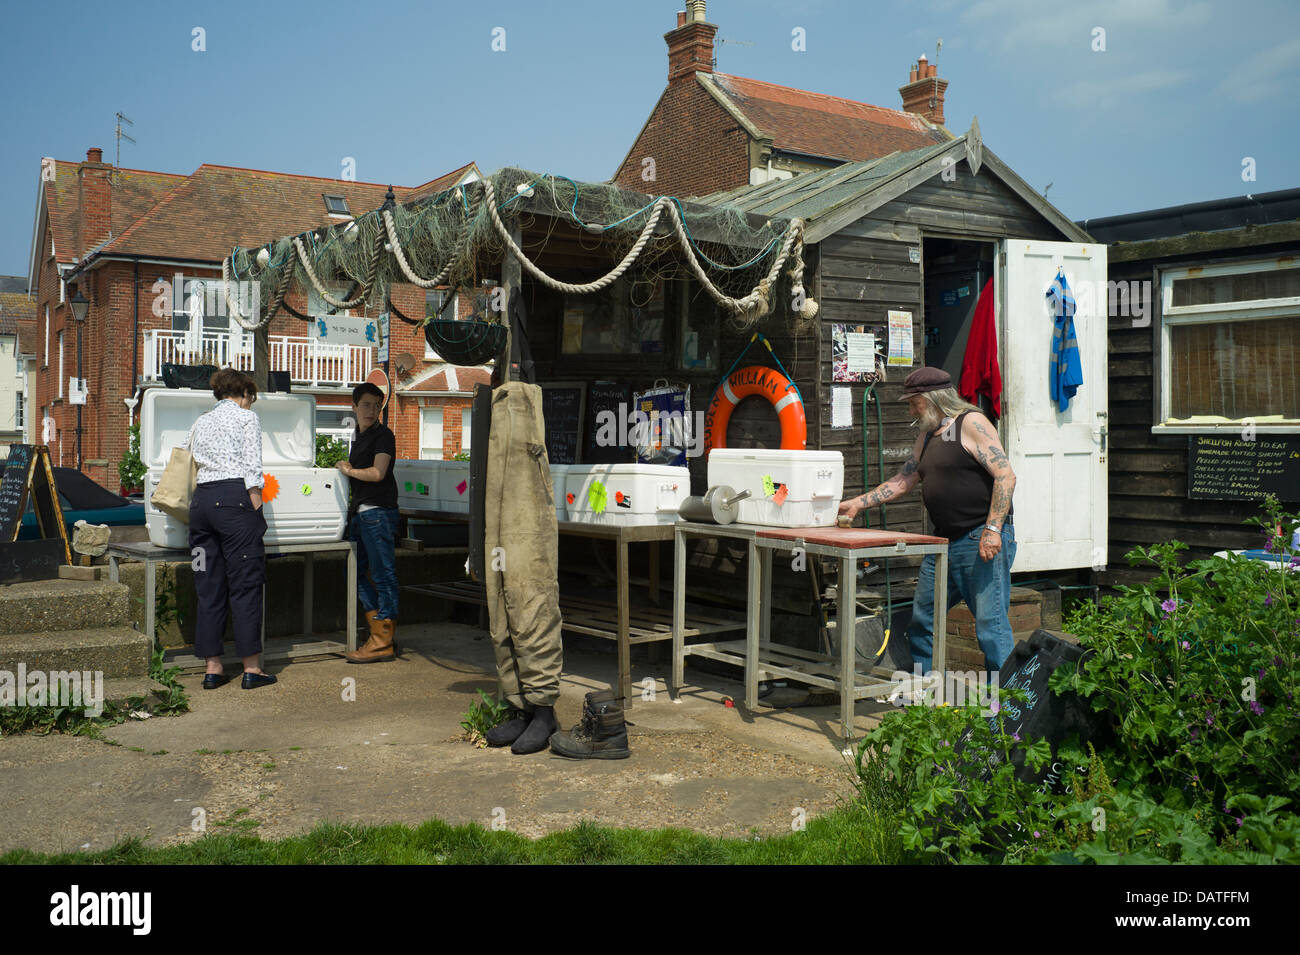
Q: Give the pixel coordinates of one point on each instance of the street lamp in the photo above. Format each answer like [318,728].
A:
[80,306]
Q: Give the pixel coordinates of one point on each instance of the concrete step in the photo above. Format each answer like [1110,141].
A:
[113,651]
[122,690]
[46,606]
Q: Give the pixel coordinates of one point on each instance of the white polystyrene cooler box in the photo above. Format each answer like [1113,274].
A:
[453,486]
[559,478]
[304,504]
[634,494]
[418,484]
[815,480]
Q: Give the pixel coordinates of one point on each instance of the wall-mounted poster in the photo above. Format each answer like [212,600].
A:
[853,353]
[900,338]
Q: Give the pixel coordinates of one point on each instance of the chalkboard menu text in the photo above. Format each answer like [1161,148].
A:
[1232,469]
[562,406]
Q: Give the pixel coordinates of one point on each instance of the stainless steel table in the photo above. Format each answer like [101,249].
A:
[151,554]
[762,659]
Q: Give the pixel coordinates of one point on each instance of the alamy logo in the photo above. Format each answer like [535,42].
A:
[75,907]
[53,688]
[635,428]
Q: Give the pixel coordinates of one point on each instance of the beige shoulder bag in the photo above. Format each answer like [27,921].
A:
[176,486]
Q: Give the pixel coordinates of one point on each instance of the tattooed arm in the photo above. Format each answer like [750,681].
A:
[898,485]
[981,439]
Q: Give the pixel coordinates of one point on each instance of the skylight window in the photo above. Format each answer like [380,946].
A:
[336,206]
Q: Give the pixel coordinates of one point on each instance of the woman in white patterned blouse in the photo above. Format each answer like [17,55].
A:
[226,529]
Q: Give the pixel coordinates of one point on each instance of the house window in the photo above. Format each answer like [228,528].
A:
[337,421]
[19,422]
[626,318]
[465,417]
[430,434]
[434,299]
[46,363]
[60,364]
[318,306]
[1228,346]
[336,206]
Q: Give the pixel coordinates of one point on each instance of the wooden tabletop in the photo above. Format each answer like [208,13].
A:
[849,538]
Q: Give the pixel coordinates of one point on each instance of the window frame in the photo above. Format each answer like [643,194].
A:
[442,430]
[1174,316]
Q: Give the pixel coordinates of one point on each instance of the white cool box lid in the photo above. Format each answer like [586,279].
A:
[288,425]
[814,482]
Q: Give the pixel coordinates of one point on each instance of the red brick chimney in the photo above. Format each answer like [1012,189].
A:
[95,199]
[690,45]
[924,91]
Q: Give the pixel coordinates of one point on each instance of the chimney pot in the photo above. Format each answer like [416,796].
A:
[681,18]
[94,154]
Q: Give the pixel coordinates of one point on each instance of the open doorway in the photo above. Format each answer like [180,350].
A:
[955,273]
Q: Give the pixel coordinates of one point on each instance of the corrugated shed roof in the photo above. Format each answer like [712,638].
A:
[812,195]
[819,125]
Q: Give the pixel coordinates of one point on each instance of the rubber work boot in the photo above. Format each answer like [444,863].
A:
[601,734]
[535,736]
[379,648]
[503,734]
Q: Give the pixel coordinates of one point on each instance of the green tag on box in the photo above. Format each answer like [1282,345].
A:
[408,485]
[768,487]
[597,497]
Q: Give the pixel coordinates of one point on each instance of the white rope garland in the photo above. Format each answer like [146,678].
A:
[745,310]
[232,307]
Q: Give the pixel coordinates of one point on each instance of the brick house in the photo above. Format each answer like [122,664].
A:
[123,236]
[710,131]
[17,333]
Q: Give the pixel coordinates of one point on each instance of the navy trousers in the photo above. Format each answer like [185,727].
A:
[229,563]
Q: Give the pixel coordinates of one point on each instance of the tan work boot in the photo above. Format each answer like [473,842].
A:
[379,647]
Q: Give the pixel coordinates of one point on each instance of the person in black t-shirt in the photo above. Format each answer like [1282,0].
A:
[372,522]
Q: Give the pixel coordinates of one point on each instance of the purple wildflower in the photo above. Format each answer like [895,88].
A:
[1268,546]
[1268,599]
[995,706]
[1016,737]
[1169,606]
[1186,645]
[1256,708]
[1239,821]
[1209,719]
[1196,734]
[1261,673]
[1037,833]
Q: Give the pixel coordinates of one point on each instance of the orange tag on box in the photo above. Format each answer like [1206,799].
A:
[781,493]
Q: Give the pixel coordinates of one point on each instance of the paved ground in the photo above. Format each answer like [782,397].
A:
[279,760]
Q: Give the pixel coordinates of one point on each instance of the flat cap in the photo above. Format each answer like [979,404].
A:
[923,380]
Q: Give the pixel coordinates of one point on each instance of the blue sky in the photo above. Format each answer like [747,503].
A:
[1183,93]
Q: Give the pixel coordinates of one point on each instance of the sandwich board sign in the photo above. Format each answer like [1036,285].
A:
[28,473]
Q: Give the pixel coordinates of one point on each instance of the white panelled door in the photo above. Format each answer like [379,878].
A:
[1058,456]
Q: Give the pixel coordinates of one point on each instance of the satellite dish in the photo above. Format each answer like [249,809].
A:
[404,362]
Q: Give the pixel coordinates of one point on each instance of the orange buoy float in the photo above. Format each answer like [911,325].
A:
[768,383]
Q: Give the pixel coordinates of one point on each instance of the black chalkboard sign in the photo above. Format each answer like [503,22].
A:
[1232,469]
[31,560]
[28,471]
[615,399]
[16,479]
[562,407]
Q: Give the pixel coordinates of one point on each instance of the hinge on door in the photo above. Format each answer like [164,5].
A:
[1002,259]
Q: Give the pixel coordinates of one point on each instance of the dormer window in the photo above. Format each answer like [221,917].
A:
[337,206]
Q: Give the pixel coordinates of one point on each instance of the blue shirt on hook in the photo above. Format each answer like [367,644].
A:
[1065,370]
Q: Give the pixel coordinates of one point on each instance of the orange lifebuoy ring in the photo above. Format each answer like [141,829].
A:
[772,385]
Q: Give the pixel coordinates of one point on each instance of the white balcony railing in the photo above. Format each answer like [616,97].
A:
[308,362]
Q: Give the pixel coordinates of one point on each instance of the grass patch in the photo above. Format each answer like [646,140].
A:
[849,835]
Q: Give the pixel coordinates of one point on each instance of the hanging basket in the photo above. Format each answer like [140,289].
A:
[465,343]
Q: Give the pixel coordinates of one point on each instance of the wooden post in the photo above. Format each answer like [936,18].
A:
[511,279]
[262,357]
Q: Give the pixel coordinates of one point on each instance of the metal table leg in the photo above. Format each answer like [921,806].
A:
[150,596]
[654,572]
[940,658]
[846,630]
[679,608]
[352,596]
[765,558]
[624,627]
[757,603]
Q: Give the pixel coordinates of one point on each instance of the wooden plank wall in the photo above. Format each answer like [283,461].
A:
[1148,473]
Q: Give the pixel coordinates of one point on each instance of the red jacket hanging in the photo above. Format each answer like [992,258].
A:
[980,373]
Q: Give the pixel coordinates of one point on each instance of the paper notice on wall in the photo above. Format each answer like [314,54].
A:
[841,407]
[862,352]
[900,338]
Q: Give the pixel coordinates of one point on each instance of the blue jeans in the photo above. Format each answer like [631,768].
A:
[986,588]
[375,531]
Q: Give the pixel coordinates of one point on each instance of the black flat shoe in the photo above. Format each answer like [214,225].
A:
[252,681]
[213,680]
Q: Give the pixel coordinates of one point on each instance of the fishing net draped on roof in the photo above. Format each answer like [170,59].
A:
[459,236]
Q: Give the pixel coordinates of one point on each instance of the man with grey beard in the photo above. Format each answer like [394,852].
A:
[966,483]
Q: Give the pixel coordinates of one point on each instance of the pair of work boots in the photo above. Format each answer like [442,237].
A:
[600,734]
[380,647]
